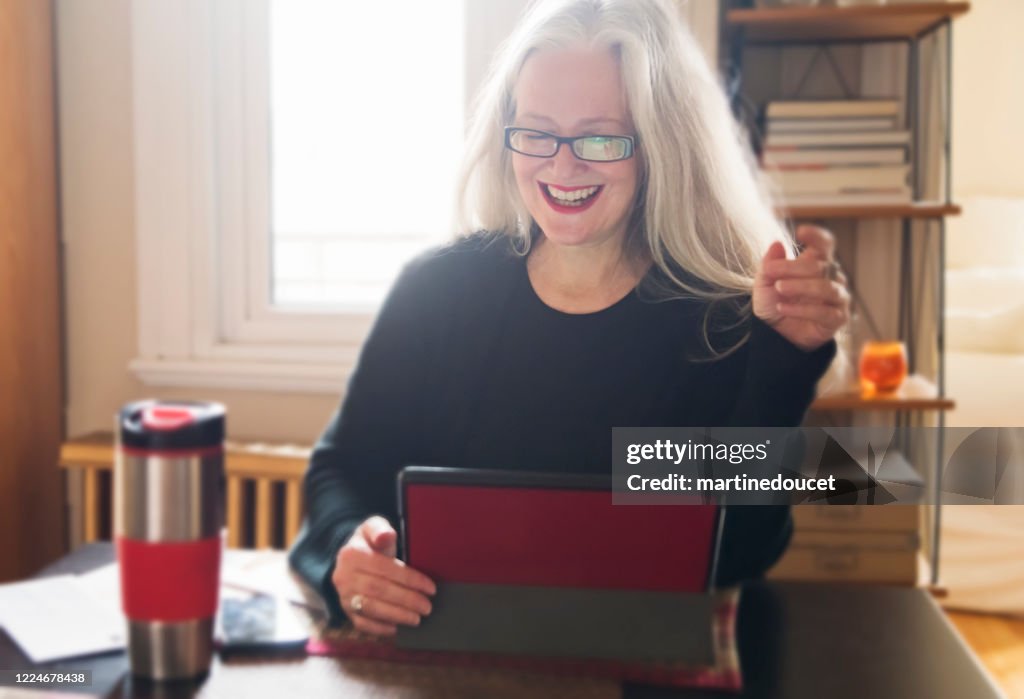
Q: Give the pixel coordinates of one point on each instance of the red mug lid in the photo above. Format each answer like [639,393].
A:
[164,418]
[153,425]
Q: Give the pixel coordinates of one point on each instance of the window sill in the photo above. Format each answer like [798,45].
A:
[305,377]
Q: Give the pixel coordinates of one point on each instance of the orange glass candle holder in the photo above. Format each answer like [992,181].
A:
[883,367]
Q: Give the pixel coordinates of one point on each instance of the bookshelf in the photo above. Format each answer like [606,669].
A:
[819,28]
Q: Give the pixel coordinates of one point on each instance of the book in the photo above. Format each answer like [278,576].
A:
[838,179]
[846,138]
[893,558]
[797,157]
[723,673]
[857,518]
[832,108]
[863,198]
[837,124]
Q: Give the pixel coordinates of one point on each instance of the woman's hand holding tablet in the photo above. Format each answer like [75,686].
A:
[377,590]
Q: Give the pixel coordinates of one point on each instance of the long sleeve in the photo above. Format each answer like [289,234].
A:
[373,434]
[780,379]
[777,388]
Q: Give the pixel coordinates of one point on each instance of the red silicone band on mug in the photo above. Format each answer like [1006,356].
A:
[169,581]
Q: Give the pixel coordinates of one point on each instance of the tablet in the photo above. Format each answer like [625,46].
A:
[485,527]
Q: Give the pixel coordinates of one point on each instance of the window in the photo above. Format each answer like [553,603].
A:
[338,130]
[304,151]
[366,124]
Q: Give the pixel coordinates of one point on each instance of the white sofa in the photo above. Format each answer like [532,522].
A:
[982,547]
[985,312]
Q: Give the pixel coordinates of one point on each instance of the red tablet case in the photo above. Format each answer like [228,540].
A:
[506,533]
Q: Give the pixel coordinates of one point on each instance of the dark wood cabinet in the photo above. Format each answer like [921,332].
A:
[31,372]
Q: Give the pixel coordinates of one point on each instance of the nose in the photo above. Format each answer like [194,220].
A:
[565,164]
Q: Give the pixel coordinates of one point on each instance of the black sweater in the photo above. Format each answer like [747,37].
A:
[467,367]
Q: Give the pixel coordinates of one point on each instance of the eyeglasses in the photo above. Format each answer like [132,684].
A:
[541,144]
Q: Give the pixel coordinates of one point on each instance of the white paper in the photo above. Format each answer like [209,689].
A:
[264,572]
[57,617]
[103,584]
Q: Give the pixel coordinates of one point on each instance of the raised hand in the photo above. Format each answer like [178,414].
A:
[805,300]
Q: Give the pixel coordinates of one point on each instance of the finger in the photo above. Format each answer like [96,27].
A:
[355,559]
[818,239]
[776,251]
[399,573]
[831,317]
[387,613]
[380,588]
[380,535]
[372,626]
[807,265]
[823,290]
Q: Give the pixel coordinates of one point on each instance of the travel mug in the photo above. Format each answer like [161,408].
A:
[168,515]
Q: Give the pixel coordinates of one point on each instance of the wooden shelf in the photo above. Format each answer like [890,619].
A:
[853,401]
[923,209]
[861,23]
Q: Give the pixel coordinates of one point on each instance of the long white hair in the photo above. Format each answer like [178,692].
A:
[702,215]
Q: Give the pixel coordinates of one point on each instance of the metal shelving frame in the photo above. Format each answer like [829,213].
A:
[735,37]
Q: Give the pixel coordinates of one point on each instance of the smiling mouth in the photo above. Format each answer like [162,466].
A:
[570,199]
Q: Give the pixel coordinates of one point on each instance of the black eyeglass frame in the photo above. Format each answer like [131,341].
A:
[570,141]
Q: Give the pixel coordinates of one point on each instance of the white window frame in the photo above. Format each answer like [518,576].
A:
[204,316]
[202,192]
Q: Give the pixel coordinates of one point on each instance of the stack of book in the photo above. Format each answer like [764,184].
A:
[837,152]
[862,541]
[855,543]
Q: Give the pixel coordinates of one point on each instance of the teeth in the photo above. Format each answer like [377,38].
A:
[577,195]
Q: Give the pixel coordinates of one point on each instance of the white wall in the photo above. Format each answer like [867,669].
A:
[988,100]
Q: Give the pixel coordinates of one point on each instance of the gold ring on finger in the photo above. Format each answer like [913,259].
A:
[832,270]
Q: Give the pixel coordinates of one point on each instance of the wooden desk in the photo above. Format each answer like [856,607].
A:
[797,641]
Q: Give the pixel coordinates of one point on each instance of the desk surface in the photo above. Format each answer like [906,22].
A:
[797,640]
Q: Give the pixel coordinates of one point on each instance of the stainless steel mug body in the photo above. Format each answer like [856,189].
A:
[168,499]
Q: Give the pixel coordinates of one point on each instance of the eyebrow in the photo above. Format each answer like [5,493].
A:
[580,123]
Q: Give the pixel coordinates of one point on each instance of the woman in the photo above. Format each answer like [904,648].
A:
[633,274]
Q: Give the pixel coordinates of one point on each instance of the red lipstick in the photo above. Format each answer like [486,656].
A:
[564,208]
